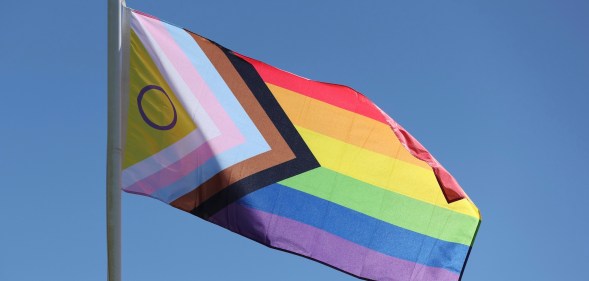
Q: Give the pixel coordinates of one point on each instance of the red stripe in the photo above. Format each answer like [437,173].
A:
[337,95]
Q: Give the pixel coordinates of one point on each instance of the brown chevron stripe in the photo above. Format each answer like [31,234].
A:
[279,153]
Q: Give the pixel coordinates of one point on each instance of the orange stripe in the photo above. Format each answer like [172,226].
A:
[343,125]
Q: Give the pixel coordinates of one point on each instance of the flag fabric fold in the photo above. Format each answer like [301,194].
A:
[311,168]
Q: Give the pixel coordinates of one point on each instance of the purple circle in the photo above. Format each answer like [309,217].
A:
[144,116]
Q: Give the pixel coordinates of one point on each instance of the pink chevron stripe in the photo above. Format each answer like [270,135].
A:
[184,166]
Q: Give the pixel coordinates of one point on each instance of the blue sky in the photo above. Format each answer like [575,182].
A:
[496,90]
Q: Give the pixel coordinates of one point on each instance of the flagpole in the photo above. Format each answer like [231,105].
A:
[114,140]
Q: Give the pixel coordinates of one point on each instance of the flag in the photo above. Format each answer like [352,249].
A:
[311,168]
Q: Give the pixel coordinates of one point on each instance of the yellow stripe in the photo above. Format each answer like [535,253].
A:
[382,171]
[343,125]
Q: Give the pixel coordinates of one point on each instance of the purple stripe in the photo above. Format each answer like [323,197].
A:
[299,238]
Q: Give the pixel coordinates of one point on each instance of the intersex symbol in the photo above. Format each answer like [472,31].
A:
[146,118]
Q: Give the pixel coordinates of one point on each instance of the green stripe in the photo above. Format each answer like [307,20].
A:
[385,205]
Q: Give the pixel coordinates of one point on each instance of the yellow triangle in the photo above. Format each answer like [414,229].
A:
[151,125]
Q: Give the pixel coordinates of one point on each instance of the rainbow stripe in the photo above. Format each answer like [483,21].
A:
[311,168]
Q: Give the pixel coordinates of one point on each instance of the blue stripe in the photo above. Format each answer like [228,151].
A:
[358,228]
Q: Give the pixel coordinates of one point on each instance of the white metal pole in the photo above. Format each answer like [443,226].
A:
[114,142]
